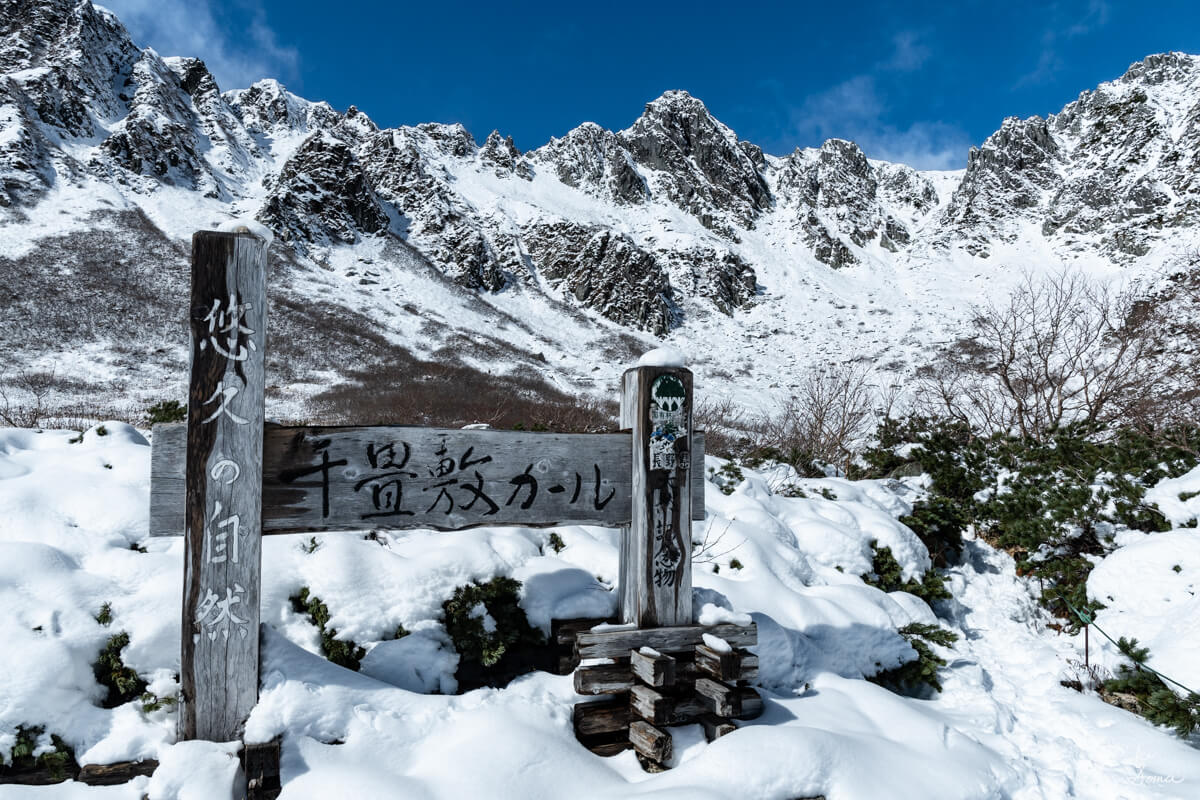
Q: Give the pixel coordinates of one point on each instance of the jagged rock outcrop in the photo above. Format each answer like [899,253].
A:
[605,271]
[696,162]
[838,198]
[159,137]
[595,161]
[724,278]
[85,50]
[502,156]
[1112,169]
[322,196]
[267,108]
[435,218]
[233,150]
[26,170]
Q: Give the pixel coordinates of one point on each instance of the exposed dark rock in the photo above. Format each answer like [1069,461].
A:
[698,162]
[605,271]
[722,277]
[159,136]
[595,161]
[322,196]
[503,157]
[438,222]
[268,108]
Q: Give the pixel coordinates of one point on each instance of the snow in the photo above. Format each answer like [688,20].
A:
[1003,726]
[663,357]
[248,225]
[1178,498]
[716,643]
[1149,590]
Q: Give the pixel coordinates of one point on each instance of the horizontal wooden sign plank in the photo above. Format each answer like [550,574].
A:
[617,642]
[390,477]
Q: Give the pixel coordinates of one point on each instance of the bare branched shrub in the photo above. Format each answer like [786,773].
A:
[727,428]
[24,398]
[1060,349]
[824,422]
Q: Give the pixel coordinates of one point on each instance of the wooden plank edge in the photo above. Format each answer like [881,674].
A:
[651,742]
[614,644]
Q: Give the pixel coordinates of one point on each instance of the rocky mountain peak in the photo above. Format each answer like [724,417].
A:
[268,107]
[595,161]
[1163,68]
[583,218]
[72,56]
[699,163]
[502,156]
[1110,170]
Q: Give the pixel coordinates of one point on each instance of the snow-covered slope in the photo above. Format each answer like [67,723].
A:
[558,261]
[73,509]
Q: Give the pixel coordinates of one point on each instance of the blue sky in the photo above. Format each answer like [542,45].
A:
[912,82]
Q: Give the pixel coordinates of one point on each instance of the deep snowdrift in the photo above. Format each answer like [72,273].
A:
[72,512]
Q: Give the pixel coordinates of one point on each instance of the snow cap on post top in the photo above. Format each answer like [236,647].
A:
[663,357]
[247,225]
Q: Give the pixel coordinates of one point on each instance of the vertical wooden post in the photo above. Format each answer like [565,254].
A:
[656,551]
[222,547]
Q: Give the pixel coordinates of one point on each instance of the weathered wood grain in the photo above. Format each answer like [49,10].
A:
[653,670]
[722,666]
[750,703]
[607,749]
[722,700]
[604,716]
[564,631]
[715,727]
[603,679]
[748,668]
[681,639]
[650,705]
[222,501]
[260,765]
[294,502]
[656,572]
[115,774]
[651,742]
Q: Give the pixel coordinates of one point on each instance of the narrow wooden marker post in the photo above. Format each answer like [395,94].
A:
[656,550]
[223,505]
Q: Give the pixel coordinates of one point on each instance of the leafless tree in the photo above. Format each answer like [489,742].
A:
[1061,348]
[825,420]
[24,396]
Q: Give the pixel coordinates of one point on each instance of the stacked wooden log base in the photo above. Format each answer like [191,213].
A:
[659,677]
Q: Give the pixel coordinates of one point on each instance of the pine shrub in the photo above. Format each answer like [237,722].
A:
[465,621]
[60,762]
[917,677]
[886,576]
[122,683]
[1153,699]
[165,412]
[939,523]
[343,652]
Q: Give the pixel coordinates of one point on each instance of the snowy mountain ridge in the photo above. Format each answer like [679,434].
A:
[673,228]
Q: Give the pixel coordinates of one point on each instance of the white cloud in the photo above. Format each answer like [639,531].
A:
[908,53]
[190,28]
[855,109]
[1065,24]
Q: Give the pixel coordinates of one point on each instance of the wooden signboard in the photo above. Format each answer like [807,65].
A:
[395,477]
[225,478]
[222,503]
[656,560]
